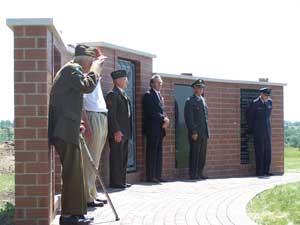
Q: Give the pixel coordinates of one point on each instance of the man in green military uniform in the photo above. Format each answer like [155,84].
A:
[65,108]
[196,118]
[119,129]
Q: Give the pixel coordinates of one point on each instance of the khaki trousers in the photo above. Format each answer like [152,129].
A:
[98,125]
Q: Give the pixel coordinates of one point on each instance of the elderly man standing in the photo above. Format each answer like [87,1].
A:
[119,129]
[258,118]
[196,119]
[65,109]
[95,118]
[155,122]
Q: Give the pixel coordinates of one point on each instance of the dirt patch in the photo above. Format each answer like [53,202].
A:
[7,157]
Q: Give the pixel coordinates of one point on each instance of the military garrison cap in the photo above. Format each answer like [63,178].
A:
[265,90]
[84,50]
[198,82]
[118,74]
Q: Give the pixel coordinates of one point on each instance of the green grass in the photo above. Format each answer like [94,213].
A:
[7,186]
[292,159]
[277,206]
[7,183]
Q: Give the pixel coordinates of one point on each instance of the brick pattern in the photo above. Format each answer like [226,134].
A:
[33,164]
[223,154]
[38,169]
[143,75]
[212,201]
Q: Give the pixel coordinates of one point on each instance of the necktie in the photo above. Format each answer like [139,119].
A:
[159,96]
[128,106]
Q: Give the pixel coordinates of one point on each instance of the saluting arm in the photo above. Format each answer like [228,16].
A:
[86,83]
[82,83]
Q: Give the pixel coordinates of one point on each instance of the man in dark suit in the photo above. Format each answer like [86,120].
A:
[119,129]
[65,108]
[155,122]
[258,118]
[196,119]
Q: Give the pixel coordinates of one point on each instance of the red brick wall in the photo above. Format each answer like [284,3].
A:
[38,170]
[223,154]
[143,75]
[33,161]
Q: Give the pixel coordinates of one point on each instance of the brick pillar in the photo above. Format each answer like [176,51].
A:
[32,155]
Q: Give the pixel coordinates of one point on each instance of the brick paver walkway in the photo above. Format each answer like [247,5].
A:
[212,201]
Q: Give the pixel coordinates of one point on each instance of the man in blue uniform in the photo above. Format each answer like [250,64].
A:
[258,119]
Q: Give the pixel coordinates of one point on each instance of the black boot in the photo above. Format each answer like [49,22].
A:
[74,220]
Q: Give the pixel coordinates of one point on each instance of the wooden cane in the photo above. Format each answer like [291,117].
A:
[99,177]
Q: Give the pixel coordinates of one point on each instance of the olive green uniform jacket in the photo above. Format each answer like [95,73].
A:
[66,99]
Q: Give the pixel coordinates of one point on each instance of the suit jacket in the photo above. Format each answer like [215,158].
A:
[196,116]
[258,118]
[153,116]
[65,104]
[118,117]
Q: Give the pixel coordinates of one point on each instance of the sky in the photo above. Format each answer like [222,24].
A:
[226,39]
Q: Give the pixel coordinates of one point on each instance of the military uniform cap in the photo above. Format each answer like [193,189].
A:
[84,50]
[118,74]
[198,82]
[265,90]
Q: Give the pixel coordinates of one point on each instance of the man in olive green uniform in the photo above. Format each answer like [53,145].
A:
[196,118]
[119,129]
[65,125]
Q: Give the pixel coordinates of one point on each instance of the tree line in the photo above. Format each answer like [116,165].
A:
[6,130]
[291,132]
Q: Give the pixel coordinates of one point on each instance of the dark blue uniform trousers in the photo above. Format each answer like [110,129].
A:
[262,147]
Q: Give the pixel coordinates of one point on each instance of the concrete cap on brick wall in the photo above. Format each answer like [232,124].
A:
[48,22]
[120,48]
[177,76]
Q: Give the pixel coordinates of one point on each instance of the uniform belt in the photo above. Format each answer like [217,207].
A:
[104,113]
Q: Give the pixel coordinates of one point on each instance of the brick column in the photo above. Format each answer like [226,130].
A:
[32,155]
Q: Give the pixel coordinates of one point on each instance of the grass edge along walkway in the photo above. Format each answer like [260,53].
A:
[277,206]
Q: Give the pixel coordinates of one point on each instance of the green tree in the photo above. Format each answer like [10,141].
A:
[292,134]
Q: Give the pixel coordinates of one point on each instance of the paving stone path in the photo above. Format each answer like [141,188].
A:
[185,202]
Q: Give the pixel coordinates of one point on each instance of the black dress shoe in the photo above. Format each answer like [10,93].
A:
[117,186]
[270,174]
[87,217]
[161,180]
[127,185]
[157,180]
[95,204]
[74,220]
[153,180]
[203,177]
[101,200]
